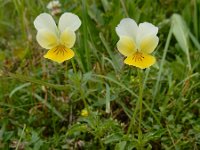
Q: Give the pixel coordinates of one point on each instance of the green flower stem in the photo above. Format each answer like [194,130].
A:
[81,91]
[132,119]
[138,106]
[84,100]
[20,137]
[73,65]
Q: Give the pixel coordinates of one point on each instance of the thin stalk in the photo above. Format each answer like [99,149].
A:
[85,39]
[189,61]
[101,143]
[140,107]
[195,18]
[73,65]
[83,99]
[124,8]
[19,6]
[36,81]
[133,119]
[133,94]
[20,137]
[161,67]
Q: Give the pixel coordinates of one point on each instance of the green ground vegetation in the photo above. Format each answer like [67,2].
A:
[41,101]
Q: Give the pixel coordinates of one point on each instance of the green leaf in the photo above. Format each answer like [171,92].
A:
[154,135]
[77,128]
[180,31]
[115,137]
[121,145]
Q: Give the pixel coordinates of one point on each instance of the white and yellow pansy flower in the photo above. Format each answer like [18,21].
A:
[137,42]
[59,40]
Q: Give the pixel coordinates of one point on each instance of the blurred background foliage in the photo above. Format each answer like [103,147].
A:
[41,101]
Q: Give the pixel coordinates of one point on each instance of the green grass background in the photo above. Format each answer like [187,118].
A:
[41,101]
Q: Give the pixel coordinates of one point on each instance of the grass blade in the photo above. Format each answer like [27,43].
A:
[155,91]
[180,31]
[53,109]
[19,88]
[36,81]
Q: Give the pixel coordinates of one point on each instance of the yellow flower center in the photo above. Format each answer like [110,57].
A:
[138,56]
[60,49]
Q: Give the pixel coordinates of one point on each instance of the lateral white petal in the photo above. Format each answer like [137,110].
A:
[127,27]
[47,39]
[148,44]
[68,38]
[70,21]
[45,21]
[126,46]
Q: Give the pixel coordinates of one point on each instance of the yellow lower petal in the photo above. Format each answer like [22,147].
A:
[140,60]
[59,54]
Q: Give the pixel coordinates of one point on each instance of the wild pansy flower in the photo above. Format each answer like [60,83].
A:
[59,40]
[137,42]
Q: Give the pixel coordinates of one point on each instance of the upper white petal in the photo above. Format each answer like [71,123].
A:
[127,27]
[146,29]
[70,21]
[45,21]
